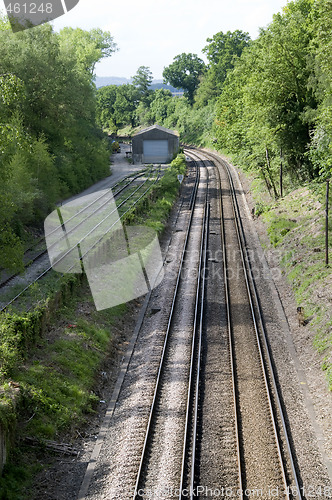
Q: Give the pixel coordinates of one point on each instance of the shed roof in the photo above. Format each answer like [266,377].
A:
[157,127]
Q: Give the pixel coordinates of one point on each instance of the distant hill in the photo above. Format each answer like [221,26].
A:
[103,81]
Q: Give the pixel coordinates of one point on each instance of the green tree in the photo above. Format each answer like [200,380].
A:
[222,48]
[86,48]
[221,51]
[50,145]
[184,73]
[321,84]
[127,99]
[142,81]
[160,106]
[106,97]
[266,105]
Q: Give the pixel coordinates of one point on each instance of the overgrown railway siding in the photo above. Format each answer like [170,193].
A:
[85,222]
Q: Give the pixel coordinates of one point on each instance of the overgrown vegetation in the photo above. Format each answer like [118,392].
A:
[296,226]
[53,382]
[50,145]
[47,380]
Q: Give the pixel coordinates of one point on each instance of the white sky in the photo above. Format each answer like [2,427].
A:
[152,32]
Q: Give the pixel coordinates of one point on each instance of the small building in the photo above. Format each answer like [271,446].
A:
[155,144]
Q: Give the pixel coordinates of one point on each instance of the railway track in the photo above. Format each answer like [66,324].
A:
[202,409]
[264,458]
[79,220]
[134,468]
[30,259]
[168,415]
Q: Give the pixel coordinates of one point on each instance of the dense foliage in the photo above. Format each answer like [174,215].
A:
[185,72]
[50,145]
[266,102]
[275,105]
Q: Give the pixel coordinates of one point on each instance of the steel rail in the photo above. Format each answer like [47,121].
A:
[259,345]
[199,355]
[43,252]
[63,256]
[230,338]
[253,294]
[253,291]
[230,335]
[165,344]
[192,384]
[263,330]
[277,441]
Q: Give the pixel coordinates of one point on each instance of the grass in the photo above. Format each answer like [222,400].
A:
[278,227]
[296,225]
[56,383]
[55,373]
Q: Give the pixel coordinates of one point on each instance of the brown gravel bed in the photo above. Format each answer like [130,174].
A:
[217,443]
[117,466]
[306,434]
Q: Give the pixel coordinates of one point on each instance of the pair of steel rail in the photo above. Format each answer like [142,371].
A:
[187,478]
[293,490]
[116,194]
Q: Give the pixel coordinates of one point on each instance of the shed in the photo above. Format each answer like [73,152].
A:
[155,144]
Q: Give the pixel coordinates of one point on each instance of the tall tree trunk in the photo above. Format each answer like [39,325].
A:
[267,182]
[281,174]
[268,168]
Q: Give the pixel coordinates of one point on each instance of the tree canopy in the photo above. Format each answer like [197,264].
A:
[50,145]
[221,51]
[142,81]
[184,73]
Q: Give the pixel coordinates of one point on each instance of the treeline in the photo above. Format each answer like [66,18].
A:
[275,106]
[50,144]
[267,102]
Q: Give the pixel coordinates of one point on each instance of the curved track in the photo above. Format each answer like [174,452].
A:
[264,455]
[200,414]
